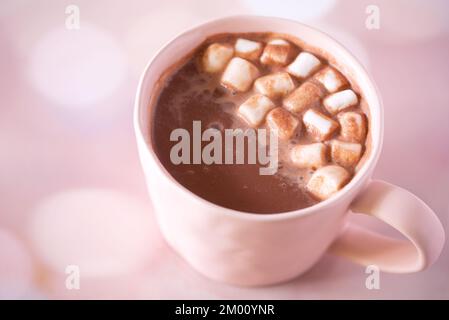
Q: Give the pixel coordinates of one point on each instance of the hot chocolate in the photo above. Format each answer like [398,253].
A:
[262,81]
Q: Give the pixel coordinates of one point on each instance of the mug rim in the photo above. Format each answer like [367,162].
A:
[357,180]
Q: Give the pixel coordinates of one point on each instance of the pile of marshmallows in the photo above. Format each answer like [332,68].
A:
[239,74]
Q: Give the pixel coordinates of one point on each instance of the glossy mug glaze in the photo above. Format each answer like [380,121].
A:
[254,249]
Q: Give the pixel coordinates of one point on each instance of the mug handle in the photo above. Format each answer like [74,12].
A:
[406,213]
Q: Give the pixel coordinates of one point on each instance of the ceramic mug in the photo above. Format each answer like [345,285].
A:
[260,249]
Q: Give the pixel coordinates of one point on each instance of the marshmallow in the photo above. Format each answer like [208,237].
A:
[304,65]
[308,95]
[276,52]
[275,85]
[283,121]
[248,49]
[309,155]
[239,75]
[326,181]
[346,154]
[255,108]
[353,126]
[216,57]
[331,79]
[340,100]
[319,126]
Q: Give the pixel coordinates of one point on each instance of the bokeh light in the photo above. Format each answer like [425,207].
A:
[76,68]
[408,20]
[141,45]
[103,232]
[301,10]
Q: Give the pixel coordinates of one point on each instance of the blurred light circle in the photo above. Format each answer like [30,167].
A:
[150,32]
[76,67]
[405,20]
[16,267]
[103,232]
[301,10]
[171,278]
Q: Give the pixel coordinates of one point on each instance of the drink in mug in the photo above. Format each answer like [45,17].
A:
[257,144]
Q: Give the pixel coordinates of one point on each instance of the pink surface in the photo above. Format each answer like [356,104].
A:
[57,142]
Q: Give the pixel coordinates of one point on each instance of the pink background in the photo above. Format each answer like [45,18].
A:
[71,187]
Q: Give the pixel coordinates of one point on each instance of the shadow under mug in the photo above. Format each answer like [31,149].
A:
[260,249]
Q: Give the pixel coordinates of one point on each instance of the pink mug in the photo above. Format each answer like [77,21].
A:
[260,249]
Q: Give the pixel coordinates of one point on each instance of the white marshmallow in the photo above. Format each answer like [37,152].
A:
[309,155]
[239,75]
[319,126]
[308,95]
[248,49]
[326,181]
[276,52]
[346,154]
[275,85]
[304,65]
[255,108]
[216,57]
[336,102]
[331,79]
[283,121]
[353,126]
